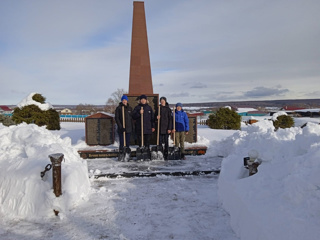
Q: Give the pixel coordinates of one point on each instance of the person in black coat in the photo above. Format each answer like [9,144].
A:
[148,120]
[165,119]
[128,121]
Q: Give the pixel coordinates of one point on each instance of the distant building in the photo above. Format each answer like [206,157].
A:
[257,113]
[195,114]
[291,108]
[66,111]
[314,112]
[5,110]
[250,112]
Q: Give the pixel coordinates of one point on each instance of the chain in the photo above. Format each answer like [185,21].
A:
[46,169]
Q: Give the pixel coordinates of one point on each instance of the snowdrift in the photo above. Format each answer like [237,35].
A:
[24,151]
[281,201]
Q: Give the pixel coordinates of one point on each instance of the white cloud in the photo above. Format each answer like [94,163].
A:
[258,92]
[79,51]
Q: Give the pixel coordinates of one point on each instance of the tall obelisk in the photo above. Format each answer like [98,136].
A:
[140,80]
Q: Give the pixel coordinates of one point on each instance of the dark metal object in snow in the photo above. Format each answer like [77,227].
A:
[157,151]
[174,153]
[124,154]
[143,154]
[251,165]
[56,160]
[154,174]
[46,169]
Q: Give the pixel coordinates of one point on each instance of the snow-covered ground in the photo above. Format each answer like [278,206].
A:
[139,208]
[280,202]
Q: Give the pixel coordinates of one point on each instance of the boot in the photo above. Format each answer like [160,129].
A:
[165,154]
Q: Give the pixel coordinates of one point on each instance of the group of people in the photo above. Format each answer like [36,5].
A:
[150,120]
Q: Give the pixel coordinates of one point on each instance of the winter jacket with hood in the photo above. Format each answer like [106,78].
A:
[148,118]
[165,118]
[182,121]
[128,118]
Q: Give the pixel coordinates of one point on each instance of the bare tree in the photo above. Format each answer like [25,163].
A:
[114,100]
[85,109]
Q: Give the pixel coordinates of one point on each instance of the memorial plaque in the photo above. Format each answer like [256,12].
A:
[192,136]
[99,129]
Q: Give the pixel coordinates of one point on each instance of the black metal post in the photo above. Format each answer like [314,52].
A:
[56,160]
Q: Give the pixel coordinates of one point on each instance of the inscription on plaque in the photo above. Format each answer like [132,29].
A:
[192,136]
[99,131]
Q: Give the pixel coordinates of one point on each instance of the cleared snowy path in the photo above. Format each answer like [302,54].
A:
[143,208]
[185,208]
[138,208]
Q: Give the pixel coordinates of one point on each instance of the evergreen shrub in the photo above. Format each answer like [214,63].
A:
[33,114]
[6,120]
[283,121]
[39,98]
[224,118]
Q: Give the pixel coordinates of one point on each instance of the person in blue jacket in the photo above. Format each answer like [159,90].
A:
[128,128]
[181,128]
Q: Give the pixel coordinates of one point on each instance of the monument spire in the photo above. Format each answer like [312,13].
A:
[140,80]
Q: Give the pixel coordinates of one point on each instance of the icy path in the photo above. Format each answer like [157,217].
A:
[140,208]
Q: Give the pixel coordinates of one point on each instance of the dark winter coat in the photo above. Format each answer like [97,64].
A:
[148,119]
[128,118]
[182,121]
[165,118]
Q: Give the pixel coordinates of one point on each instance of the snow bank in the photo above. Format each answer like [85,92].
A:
[24,151]
[281,201]
[29,101]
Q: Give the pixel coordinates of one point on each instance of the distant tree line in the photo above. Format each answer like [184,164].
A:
[109,107]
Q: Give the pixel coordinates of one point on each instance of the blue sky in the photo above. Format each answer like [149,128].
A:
[78,51]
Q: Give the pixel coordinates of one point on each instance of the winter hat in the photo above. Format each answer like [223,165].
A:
[164,98]
[124,97]
[143,96]
[179,104]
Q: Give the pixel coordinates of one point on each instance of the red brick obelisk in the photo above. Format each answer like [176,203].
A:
[140,80]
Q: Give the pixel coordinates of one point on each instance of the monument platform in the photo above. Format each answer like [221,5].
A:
[91,153]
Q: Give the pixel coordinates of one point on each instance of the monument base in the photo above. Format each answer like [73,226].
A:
[113,153]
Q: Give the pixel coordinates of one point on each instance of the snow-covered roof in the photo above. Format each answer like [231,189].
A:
[5,108]
[309,110]
[242,110]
